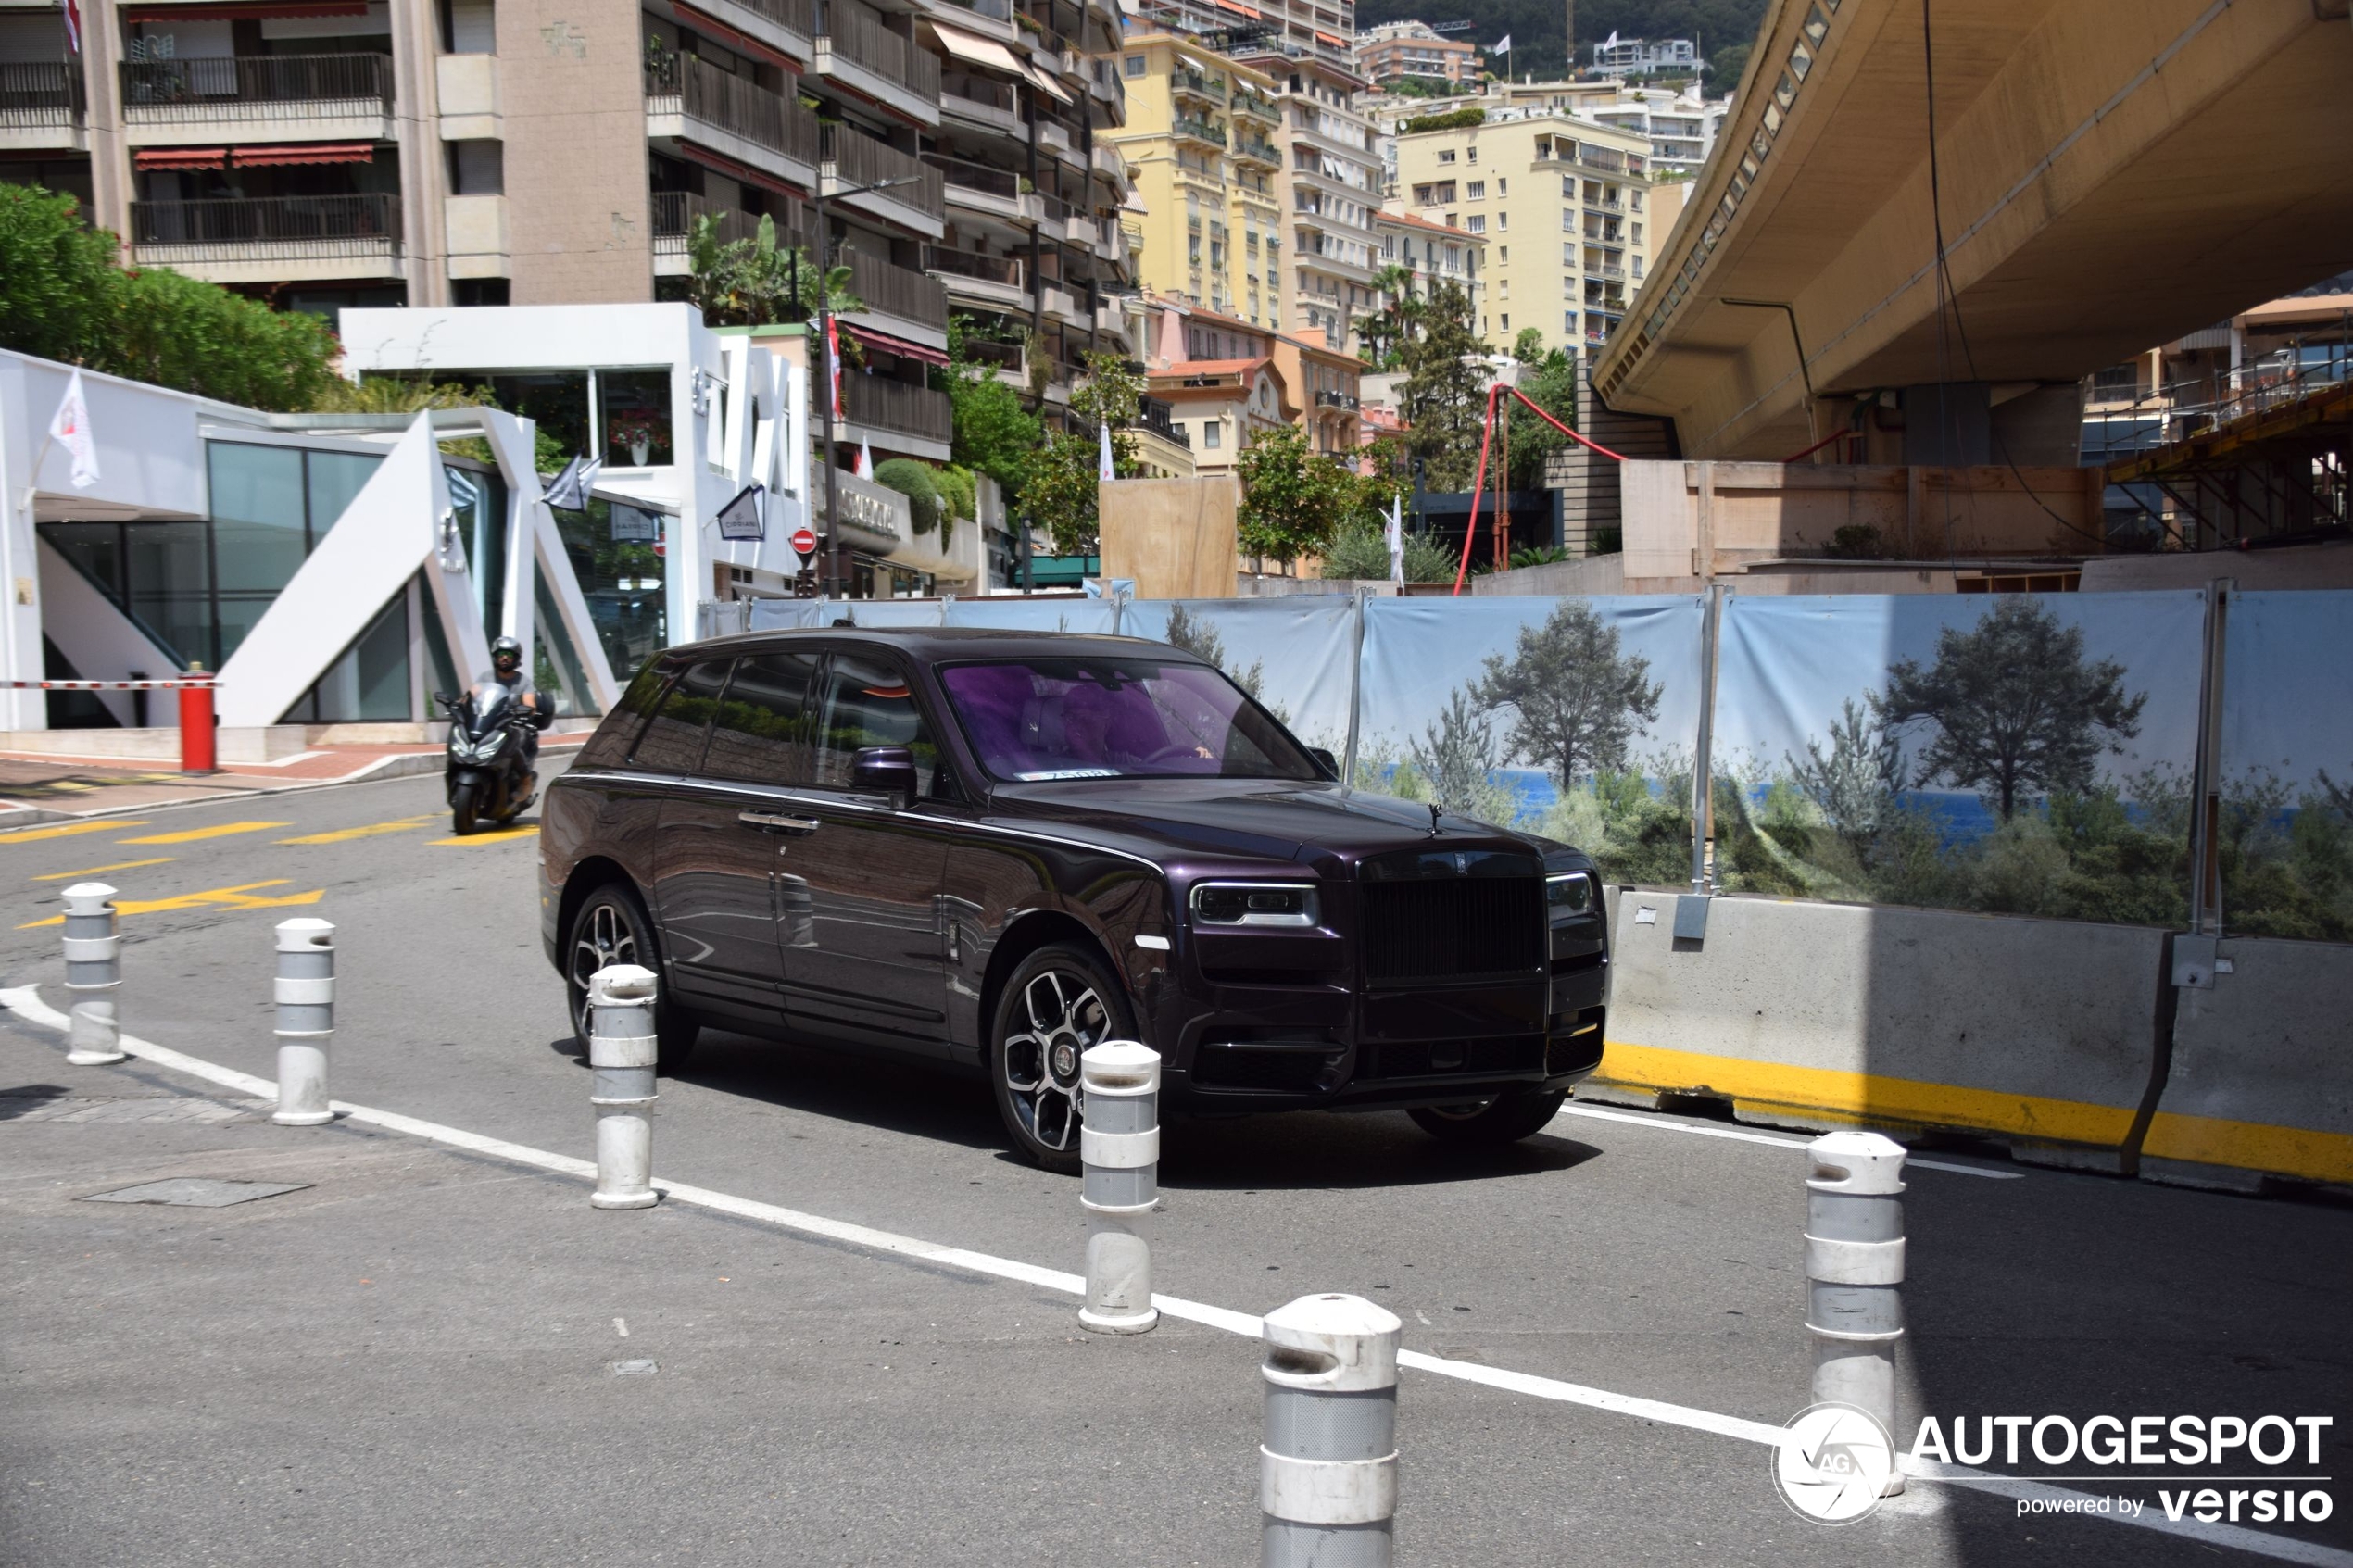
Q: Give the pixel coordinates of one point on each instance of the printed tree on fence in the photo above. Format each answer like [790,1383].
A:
[2017,709]
[1576,700]
[1200,638]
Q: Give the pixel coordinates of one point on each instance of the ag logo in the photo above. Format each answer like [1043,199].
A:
[1834,1463]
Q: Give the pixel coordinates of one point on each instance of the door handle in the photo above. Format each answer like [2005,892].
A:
[778,821]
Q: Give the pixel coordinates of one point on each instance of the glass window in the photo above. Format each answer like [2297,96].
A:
[257,511]
[478,505]
[673,742]
[559,672]
[1135,65]
[1106,718]
[610,743]
[635,405]
[1212,433]
[611,550]
[558,399]
[331,482]
[370,683]
[170,576]
[762,735]
[864,702]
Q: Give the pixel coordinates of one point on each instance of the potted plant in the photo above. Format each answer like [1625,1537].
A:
[633,428]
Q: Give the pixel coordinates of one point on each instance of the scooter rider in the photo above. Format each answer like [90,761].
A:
[505,668]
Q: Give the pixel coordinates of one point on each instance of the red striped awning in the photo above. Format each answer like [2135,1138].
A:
[1233,6]
[304,151]
[241,11]
[890,344]
[1333,39]
[183,157]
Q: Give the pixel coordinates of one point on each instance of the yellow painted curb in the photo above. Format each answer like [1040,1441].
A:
[1831,1096]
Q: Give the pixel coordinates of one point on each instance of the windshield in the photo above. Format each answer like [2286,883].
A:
[489,697]
[1037,719]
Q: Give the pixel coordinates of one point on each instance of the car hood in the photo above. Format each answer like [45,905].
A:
[1274,819]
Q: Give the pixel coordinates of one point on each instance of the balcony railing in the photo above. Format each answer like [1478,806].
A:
[254,87]
[857,35]
[889,405]
[1336,400]
[40,93]
[674,213]
[1001,10]
[1257,149]
[729,103]
[1005,269]
[1199,129]
[858,159]
[969,176]
[889,290]
[979,91]
[272,226]
[1154,415]
[1196,85]
[793,16]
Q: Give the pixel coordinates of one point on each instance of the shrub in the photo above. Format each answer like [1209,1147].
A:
[917,482]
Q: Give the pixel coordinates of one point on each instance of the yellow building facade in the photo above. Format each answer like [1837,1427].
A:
[1200,143]
[1564,205]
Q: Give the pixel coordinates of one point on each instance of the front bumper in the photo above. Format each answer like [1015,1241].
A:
[1241,1048]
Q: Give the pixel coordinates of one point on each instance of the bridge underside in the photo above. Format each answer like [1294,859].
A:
[2111,174]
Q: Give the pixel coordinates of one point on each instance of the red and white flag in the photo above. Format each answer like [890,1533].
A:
[865,462]
[69,428]
[73,26]
[833,360]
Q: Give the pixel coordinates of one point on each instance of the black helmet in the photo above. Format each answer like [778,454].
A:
[506,654]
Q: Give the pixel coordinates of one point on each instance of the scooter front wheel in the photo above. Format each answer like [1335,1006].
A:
[463,811]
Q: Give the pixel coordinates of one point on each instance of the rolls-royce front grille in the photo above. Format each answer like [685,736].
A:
[1431,929]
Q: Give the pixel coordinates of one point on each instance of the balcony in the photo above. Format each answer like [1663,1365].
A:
[1256,106]
[853,158]
[270,239]
[691,100]
[1155,416]
[899,417]
[1190,128]
[673,214]
[899,301]
[1346,400]
[970,278]
[261,98]
[975,100]
[787,26]
[978,187]
[1193,85]
[42,107]
[1109,162]
[864,59]
[1256,149]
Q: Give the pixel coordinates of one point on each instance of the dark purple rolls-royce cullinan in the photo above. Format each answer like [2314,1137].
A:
[992,849]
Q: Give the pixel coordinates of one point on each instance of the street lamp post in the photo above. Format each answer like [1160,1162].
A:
[836,570]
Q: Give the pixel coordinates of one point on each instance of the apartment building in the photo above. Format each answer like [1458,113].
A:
[325,154]
[1200,144]
[1396,51]
[1330,187]
[1313,29]
[1566,193]
[1432,253]
[1681,126]
[1641,56]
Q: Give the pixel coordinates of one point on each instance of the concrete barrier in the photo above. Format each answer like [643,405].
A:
[1817,1015]
[2261,1080]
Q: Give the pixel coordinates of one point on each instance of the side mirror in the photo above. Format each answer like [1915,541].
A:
[884,770]
[1329,763]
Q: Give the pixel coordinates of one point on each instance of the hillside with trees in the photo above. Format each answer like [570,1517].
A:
[1725,28]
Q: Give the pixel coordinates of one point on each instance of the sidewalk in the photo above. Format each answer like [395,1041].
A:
[35,789]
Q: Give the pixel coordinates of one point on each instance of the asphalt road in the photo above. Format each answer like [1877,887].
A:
[202,1386]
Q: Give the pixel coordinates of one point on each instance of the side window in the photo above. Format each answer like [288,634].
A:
[611,744]
[673,742]
[864,701]
[763,735]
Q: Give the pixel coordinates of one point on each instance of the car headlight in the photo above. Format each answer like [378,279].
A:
[1568,892]
[1254,903]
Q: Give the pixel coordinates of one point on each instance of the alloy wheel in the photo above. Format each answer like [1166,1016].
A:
[1064,1017]
[603,938]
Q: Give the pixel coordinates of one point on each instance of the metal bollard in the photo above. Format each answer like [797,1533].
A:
[1327,1470]
[94,973]
[305,991]
[1853,1265]
[1119,1148]
[621,1052]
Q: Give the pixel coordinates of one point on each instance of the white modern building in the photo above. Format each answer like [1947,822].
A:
[331,569]
[1641,56]
[1681,126]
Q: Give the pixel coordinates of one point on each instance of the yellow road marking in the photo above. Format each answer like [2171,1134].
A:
[500,836]
[66,829]
[341,836]
[189,835]
[93,871]
[241,896]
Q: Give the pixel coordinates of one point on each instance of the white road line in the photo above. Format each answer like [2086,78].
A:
[26,1003]
[1668,1125]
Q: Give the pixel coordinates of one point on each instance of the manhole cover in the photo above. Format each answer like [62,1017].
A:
[633,1369]
[196,1192]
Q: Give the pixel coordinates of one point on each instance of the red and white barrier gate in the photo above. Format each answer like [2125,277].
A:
[198,752]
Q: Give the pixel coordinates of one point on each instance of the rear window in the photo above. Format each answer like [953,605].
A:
[672,741]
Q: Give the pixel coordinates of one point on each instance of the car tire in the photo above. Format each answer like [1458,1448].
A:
[612,927]
[1509,1117]
[1058,1002]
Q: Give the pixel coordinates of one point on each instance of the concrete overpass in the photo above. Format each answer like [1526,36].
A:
[2111,174]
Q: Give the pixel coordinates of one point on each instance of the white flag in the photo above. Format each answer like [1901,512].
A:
[1396,534]
[1502,48]
[71,428]
[1103,470]
[865,462]
[569,490]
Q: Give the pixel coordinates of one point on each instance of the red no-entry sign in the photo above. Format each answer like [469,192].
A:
[804,542]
